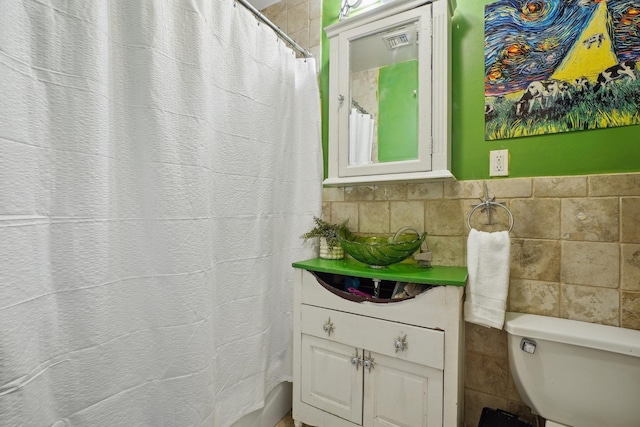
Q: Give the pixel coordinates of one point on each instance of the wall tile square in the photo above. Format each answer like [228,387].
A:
[358,194]
[487,341]
[591,219]
[345,211]
[447,250]
[272,11]
[591,264]
[534,297]
[405,214]
[630,310]
[373,217]
[536,218]
[301,36]
[463,189]
[488,374]
[315,32]
[630,219]
[390,192]
[614,185]
[444,218]
[512,187]
[297,16]
[630,267]
[430,190]
[560,187]
[589,304]
[535,259]
[332,194]
[315,9]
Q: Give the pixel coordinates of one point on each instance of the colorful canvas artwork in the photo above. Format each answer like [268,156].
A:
[560,65]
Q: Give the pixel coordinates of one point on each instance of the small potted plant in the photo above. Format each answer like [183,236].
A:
[330,247]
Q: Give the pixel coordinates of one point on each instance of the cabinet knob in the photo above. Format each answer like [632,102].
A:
[328,327]
[368,362]
[356,360]
[341,98]
[401,343]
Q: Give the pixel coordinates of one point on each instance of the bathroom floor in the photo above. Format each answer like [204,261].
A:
[287,421]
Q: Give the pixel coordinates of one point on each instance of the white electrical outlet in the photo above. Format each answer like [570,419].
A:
[499,163]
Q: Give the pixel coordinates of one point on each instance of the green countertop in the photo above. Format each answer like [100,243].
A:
[402,272]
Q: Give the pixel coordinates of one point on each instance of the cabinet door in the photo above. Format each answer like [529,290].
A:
[401,393]
[398,140]
[329,378]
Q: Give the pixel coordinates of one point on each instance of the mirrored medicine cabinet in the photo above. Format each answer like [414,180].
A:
[389,94]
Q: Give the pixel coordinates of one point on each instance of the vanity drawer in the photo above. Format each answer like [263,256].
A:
[422,345]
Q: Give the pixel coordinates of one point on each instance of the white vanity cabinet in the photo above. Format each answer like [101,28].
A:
[393,363]
[389,94]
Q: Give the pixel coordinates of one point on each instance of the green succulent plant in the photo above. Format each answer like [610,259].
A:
[327,230]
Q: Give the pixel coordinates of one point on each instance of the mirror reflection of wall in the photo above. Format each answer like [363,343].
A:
[384,85]
[398,110]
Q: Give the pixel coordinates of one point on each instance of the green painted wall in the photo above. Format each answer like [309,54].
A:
[398,112]
[330,11]
[572,153]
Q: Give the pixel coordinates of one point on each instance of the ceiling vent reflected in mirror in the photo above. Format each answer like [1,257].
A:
[397,38]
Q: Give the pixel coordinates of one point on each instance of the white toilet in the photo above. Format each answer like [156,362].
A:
[575,373]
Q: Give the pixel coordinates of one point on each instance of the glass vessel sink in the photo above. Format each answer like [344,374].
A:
[380,251]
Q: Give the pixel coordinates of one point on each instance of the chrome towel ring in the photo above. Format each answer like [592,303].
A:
[488,204]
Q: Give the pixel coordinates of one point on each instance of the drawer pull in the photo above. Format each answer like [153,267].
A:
[328,327]
[401,343]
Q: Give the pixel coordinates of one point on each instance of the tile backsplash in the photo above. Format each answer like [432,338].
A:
[575,253]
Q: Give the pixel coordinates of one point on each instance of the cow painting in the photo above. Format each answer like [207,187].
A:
[616,72]
[581,84]
[561,66]
[590,41]
[544,92]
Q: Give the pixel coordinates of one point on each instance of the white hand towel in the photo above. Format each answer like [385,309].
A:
[488,258]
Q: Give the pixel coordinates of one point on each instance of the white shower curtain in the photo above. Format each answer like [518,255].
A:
[158,163]
[361,132]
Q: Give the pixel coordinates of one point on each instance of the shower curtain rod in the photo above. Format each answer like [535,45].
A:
[273,26]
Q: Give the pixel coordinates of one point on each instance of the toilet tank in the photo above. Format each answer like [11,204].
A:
[576,373]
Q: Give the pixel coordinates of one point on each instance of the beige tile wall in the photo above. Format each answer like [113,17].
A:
[299,19]
[575,254]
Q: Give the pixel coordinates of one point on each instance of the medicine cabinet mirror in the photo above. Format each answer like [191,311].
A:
[389,95]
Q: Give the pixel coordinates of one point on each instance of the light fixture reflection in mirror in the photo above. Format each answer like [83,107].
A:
[346,6]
